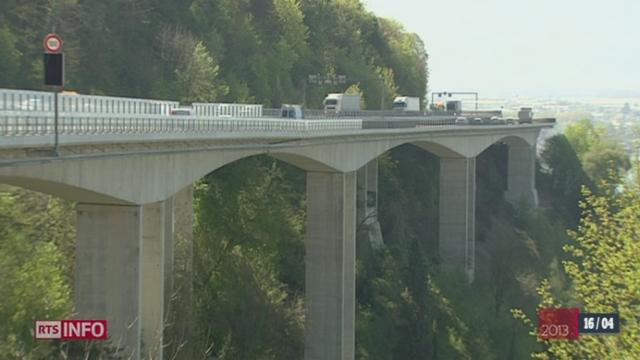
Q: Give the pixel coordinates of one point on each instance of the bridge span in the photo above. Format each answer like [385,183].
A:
[130,167]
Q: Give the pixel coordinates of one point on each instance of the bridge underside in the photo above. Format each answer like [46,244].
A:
[135,221]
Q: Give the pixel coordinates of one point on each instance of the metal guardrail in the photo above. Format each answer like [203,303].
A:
[24,123]
[321,114]
[38,101]
[228,110]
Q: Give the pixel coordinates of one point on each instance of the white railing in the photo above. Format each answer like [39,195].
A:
[89,104]
[38,101]
[25,123]
[228,110]
[23,100]
[31,113]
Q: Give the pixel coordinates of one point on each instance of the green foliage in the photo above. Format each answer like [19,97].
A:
[603,158]
[245,51]
[34,284]
[598,152]
[563,178]
[197,81]
[583,135]
[249,263]
[9,57]
[605,272]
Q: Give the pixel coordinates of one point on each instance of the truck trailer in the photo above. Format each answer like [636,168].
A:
[341,103]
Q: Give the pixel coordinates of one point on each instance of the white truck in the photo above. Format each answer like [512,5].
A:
[406,103]
[341,103]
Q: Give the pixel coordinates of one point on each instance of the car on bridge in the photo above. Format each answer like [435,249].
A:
[461,120]
[182,111]
[496,120]
[291,111]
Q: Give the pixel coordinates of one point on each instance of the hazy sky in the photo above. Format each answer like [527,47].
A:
[526,47]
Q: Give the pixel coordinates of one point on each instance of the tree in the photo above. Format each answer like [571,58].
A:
[563,177]
[249,263]
[606,275]
[603,158]
[583,135]
[598,152]
[197,82]
[34,284]
[9,58]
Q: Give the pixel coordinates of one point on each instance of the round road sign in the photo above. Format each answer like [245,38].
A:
[53,43]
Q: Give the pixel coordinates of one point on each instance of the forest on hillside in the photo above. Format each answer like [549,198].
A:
[248,285]
[249,51]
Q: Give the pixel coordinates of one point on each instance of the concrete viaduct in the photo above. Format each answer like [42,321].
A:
[131,174]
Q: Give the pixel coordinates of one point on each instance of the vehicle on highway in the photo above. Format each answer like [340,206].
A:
[182,111]
[291,111]
[454,107]
[461,120]
[476,121]
[497,120]
[525,115]
[406,103]
[341,103]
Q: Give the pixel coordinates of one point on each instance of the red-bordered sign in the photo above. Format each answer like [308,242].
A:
[53,43]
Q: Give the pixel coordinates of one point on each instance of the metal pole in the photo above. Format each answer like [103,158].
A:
[304,93]
[55,121]
[476,101]
[383,94]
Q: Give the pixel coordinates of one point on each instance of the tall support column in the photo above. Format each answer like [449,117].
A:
[119,273]
[108,271]
[330,266]
[179,274]
[169,226]
[457,213]
[153,277]
[521,174]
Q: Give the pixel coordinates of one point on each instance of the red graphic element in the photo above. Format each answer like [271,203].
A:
[562,323]
[71,330]
[53,43]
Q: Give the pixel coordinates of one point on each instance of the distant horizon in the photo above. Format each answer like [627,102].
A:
[542,49]
[558,94]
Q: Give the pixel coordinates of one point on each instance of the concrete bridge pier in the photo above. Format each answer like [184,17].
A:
[367,203]
[120,274]
[330,266]
[521,173]
[457,213]
[178,268]
[128,260]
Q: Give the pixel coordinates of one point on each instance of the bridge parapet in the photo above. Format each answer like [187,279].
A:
[36,128]
[43,102]
[228,110]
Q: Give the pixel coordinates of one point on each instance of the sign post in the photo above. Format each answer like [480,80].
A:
[54,75]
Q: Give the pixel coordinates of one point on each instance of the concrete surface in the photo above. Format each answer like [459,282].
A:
[457,213]
[330,266]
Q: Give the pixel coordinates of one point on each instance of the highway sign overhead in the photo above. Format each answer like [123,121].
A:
[53,43]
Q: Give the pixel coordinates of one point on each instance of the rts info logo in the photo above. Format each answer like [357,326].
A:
[71,330]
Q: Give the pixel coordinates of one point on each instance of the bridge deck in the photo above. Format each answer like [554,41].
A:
[27,121]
